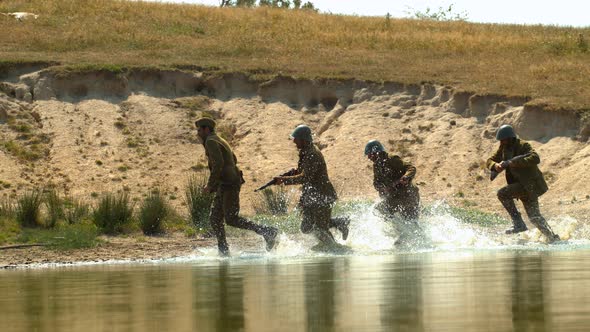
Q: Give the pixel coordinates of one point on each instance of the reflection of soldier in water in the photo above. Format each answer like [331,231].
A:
[320,295]
[318,194]
[528,303]
[402,300]
[225,181]
[392,178]
[525,181]
[219,303]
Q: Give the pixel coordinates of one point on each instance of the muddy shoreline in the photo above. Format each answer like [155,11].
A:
[110,249]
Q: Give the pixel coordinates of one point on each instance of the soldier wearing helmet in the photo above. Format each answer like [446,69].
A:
[225,181]
[392,178]
[318,195]
[525,181]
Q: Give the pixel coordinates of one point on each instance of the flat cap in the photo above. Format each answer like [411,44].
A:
[205,122]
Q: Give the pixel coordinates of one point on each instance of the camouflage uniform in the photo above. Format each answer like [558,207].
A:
[525,182]
[318,194]
[226,180]
[405,200]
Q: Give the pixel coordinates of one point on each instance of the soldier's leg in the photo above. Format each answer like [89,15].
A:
[531,206]
[231,210]
[506,195]
[216,222]
[341,224]
[316,220]
[410,205]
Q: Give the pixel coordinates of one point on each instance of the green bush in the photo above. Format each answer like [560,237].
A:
[154,210]
[62,237]
[272,201]
[28,208]
[114,211]
[55,208]
[75,210]
[198,202]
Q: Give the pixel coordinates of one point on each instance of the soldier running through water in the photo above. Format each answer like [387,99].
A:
[392,178]
[225,181]
[318,195]
[525,181]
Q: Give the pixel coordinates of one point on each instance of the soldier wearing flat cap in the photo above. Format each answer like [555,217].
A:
[225,181]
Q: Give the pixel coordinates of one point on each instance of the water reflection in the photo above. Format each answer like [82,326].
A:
[528,305]
[489,291]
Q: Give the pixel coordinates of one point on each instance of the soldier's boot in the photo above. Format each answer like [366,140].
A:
[271,237]
[341,224]
[542,225]
[518,224]
[325,237]
[223,250]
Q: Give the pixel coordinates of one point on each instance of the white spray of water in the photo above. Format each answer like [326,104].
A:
[368,233]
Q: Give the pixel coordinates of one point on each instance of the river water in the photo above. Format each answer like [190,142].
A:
[468,279]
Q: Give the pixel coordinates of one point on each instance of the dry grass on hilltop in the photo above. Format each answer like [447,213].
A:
[548,63]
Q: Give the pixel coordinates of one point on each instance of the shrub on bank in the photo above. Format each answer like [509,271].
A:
[154,210]
[272,201]
[198,202]
[28,209]
[113,212]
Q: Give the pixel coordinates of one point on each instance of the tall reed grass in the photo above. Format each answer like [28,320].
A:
[28,210]
[198,202]
[153,212]
[113,213]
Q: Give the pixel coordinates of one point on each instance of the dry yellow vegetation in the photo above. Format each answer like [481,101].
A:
[550,64]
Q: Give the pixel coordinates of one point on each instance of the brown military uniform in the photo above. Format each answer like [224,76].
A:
[226,180]
[318,194]
[525,182]
[387,172]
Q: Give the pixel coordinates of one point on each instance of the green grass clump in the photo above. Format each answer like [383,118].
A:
[287,223]
[28,209]
[64,237]
[198,202]
[467,215]
[272,201]
[29,152]
[113,213]
[152,213]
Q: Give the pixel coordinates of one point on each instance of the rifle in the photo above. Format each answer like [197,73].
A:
[494,174]
[290,172]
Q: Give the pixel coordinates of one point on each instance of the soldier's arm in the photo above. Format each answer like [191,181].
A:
[294,179]
[496,158]
[215,164]
[529,157]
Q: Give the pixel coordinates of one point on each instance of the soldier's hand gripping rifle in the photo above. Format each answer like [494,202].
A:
[505,164]
[290,172]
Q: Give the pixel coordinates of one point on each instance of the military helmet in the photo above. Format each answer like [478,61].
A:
[373,146]
[302,132]
[205,122]
[504,132]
